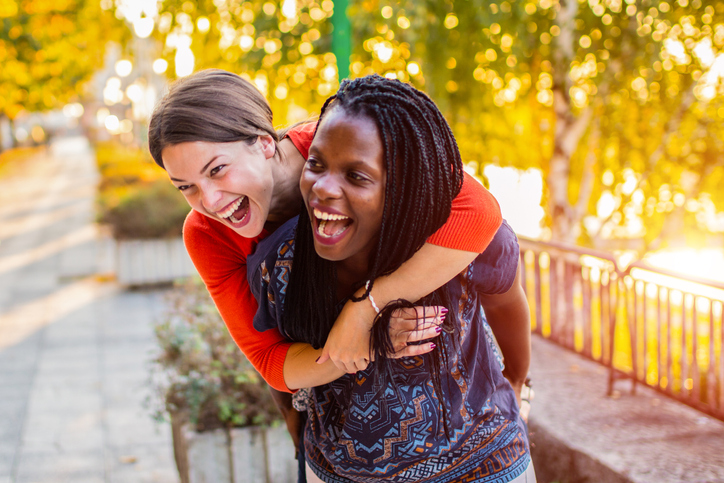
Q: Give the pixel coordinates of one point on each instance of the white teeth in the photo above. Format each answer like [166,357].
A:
[232,208]
[328,216]
[323,223]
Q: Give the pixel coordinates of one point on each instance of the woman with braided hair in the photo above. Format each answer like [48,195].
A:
[381,176]
[213,133]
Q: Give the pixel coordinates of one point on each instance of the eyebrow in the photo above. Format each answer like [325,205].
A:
[319,154]
[206,166]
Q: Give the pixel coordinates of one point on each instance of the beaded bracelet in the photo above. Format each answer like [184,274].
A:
[369,295]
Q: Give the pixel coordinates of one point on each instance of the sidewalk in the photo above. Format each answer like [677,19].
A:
[579,434]
[74,349]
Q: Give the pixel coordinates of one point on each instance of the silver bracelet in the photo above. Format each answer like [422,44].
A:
[372,300]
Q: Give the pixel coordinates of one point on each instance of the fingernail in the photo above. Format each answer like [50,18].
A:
[318,359]
[443,311]
[432,346]
[438,329]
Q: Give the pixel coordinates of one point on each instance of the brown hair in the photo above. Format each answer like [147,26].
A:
[211,105]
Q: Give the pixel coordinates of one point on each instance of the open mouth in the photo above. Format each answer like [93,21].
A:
[330,225]
[237,211]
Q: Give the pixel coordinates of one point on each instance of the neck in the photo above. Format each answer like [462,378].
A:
[286,197]
[350,274]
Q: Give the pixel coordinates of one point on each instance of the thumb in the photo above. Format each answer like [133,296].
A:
[324,357]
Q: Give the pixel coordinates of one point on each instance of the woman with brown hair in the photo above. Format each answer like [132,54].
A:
[213,134]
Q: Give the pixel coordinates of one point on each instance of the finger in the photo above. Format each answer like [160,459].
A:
[405,313]
[352,367]
[409,325]
[343,367]
[324,357]
[399,324]
[414,350]
[417,335]
[419,312]
[402,339]
[361,364]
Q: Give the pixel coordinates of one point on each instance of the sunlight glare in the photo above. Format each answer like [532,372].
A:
[184,62]
[519,194]
[704,263]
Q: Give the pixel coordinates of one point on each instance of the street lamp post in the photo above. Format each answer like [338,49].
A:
[341,37]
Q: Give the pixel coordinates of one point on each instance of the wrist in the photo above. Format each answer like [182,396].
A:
[363,312]
[516,380]
[371,298]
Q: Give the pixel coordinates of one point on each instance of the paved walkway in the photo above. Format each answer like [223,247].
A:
[582,435]
[74,347]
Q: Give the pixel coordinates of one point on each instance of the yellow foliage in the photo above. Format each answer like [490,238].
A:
[122,165]
[8,8]
[36,7]
[18,154]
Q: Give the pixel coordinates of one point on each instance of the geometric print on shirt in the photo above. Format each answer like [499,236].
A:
[363,428]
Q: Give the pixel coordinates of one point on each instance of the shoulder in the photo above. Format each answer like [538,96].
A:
[278,245]
[495,269]
[301,136]
[268,274]
[473,193]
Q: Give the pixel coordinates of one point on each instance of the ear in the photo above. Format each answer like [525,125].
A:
[268,147]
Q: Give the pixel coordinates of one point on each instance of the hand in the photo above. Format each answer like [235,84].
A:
[524,395]
[413,325]
[348,341]
[527,395]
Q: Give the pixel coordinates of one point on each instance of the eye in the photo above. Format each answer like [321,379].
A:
[184,187]
[356,176]
[313,165]
[216,170]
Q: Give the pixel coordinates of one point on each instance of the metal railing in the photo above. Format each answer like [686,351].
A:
[652,326]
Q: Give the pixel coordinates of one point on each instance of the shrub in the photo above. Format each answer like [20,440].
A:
[122,165]
[200,374]
[143,210]
[134,195]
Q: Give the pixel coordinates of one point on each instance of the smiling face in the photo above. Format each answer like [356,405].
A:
[229,182]
[343,186]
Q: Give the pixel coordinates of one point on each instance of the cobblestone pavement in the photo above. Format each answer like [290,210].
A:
[74,347]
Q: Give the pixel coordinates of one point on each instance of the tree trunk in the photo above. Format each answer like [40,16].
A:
[568,131]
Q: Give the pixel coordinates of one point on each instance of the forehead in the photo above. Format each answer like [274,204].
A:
[348,133]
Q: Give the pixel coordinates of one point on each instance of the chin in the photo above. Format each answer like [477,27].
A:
[328,253]
[249,231]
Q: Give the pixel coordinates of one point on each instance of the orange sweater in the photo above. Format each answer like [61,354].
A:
[219,255]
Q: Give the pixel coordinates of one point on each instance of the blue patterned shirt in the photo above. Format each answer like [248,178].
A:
[366,429]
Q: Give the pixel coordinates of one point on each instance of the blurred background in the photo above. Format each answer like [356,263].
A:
[598,123]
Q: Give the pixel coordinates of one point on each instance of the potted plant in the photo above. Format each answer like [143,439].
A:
[145,214]
[225,425]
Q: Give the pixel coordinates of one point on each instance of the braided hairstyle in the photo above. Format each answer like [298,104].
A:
[424,174]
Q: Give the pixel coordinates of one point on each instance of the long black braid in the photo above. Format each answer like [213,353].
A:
[424,174]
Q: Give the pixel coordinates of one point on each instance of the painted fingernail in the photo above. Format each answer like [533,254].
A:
[318,359]
[443,311]
[438,329]
[432,346]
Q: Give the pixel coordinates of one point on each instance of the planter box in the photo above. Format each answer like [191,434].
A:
[241,455]
[141,262]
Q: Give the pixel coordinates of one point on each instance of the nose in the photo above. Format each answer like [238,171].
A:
[327,186]
[210,198]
